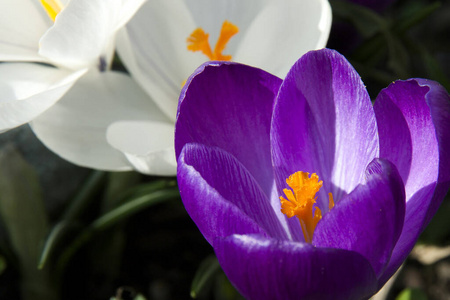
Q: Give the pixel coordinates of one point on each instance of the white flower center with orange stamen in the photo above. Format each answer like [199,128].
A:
[301,199]
[198,41]
[52,7]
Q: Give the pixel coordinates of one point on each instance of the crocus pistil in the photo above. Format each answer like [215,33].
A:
[301,199]
[52,7]
[198,41]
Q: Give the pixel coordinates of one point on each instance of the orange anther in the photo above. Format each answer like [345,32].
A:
[301,199]
[198,41]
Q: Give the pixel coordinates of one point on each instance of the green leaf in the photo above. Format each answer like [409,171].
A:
[381,76]
[118,184]
[374,48]
[415,17]
[204,277]
[438,231]
[398,56]
[91,188]
[224,290]
[412,294]
[366,21]
[23,213]
[3,264]
[52,241]
[131,207]
[21,205]
[93,185]
[114,216]
[143,189]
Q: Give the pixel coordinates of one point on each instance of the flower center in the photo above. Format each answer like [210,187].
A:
[301,199]
[198,41]
[52,7]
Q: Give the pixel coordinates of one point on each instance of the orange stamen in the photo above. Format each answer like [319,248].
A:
[198,41]
[301,199]
[330,201]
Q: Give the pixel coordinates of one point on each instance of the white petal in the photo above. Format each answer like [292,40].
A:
[127,11]
[83,33]
[283,32]
[153,47]
[27,90]
[149,146]
[273,34]
[22,23]
[75,128]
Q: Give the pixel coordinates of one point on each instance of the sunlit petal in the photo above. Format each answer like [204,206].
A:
[75,128]
[27,90]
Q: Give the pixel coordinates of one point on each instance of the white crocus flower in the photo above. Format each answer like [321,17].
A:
[108,108]
[269,34]
[55,74]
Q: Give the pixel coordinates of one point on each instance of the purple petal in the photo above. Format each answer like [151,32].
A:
[414,126]
[262,268]
[221,196]
[407,134]
[370,219]
[229,106]
[323,123]
[438,100]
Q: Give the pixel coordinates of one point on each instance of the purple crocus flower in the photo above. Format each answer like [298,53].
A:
[358,182]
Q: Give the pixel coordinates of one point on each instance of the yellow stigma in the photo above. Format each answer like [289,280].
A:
[198,41]
[52,7]
[301,199]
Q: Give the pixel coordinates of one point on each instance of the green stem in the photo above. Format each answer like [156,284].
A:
[90,189]
[52,240]
[93,185]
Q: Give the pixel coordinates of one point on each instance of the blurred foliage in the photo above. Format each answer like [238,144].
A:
[23,214]
[438,231]
[405,41]
[3,264]
[204,277]
[127,293]
[412,294]
[96,216]
[210,282]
